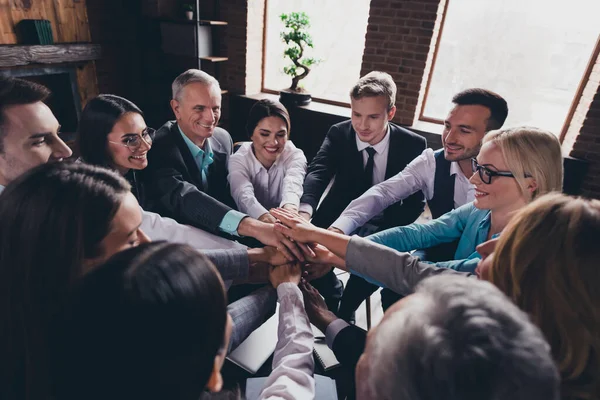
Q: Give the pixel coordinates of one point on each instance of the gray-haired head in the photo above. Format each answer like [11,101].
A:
[373,84]
[457,338]
[192,76]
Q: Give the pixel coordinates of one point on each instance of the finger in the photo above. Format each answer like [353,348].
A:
[292,248]
[283,215]
[286,253]
[284,229]
[307,250]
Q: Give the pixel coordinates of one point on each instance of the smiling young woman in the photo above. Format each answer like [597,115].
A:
[269,170]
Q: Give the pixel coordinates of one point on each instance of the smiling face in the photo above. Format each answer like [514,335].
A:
[370,118]
[269,139]
[198,111]
[30,139]
[464,129]
[127,128]
[503,193]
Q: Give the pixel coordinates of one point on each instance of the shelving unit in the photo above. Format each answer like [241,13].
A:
[196,42]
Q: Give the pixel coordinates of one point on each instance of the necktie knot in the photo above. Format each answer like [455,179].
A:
[370,151]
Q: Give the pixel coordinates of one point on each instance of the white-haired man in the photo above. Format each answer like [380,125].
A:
[453,339]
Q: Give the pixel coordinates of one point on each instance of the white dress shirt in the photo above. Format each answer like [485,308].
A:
[293,362]
[380,162]
[418,175]
[255,189]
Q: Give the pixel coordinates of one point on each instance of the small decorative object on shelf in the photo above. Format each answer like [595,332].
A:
[297,40]
[189,11]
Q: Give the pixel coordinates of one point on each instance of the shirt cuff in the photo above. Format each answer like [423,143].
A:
[290,198]
[307,208]
[256,210]
[231,221]
[333,329]
[344,224]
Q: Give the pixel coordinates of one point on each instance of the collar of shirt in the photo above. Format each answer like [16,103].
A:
[379,147]
[204,157]
[1,188]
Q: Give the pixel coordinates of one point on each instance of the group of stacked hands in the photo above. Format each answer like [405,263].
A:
[117,302]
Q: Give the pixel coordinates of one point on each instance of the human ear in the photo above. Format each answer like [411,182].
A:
[175,107]
[391,113]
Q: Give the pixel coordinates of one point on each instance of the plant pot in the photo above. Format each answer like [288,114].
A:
[189,15]
[291,98]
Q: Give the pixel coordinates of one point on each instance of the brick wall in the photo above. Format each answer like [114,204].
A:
[399,36]
[586,145]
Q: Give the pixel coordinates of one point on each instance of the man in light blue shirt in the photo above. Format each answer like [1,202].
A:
[186,177]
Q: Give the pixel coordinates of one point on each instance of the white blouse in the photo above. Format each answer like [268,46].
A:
[255,189]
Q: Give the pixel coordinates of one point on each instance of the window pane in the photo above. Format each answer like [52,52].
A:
[533,53]
[339,42]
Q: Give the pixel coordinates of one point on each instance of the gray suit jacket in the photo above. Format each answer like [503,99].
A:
[389,268]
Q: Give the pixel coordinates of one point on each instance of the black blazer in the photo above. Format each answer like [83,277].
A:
[348,346]
[173,182]
[339,157]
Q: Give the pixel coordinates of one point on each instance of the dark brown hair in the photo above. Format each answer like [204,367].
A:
[267,108]
[15,91]
[486,98]
[53,217]
[147,324]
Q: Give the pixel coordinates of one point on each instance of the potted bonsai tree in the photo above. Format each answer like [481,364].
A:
[189,11]
[297,40]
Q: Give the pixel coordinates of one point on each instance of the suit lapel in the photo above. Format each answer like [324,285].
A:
[187,158]
[394,159]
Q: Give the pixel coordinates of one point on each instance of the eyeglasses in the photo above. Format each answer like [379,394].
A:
[134,142]
[486,174]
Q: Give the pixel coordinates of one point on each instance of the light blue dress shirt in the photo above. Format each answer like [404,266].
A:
[203,159]
[468,223]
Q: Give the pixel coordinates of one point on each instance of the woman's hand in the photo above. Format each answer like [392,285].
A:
[294,226]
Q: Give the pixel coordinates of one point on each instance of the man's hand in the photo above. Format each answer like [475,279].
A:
[290,272]
[259,272]
[304,215]
[267,234]
[296,227]
[267,218]
[315,306]
[314,271]
[290,207]
[267,254]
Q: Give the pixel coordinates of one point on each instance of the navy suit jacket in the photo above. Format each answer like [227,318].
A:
[339,157]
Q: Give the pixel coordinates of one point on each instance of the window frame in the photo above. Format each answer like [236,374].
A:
[574,102]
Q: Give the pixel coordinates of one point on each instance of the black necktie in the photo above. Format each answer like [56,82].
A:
[368,180]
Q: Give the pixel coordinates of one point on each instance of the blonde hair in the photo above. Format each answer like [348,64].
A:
[530,152]
[547,262]
[373,84]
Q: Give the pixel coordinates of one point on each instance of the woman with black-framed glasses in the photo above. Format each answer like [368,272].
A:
[514,166]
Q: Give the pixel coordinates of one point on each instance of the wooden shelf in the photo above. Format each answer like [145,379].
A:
[18,55]
[193,21]
[210,22]
[214,59]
